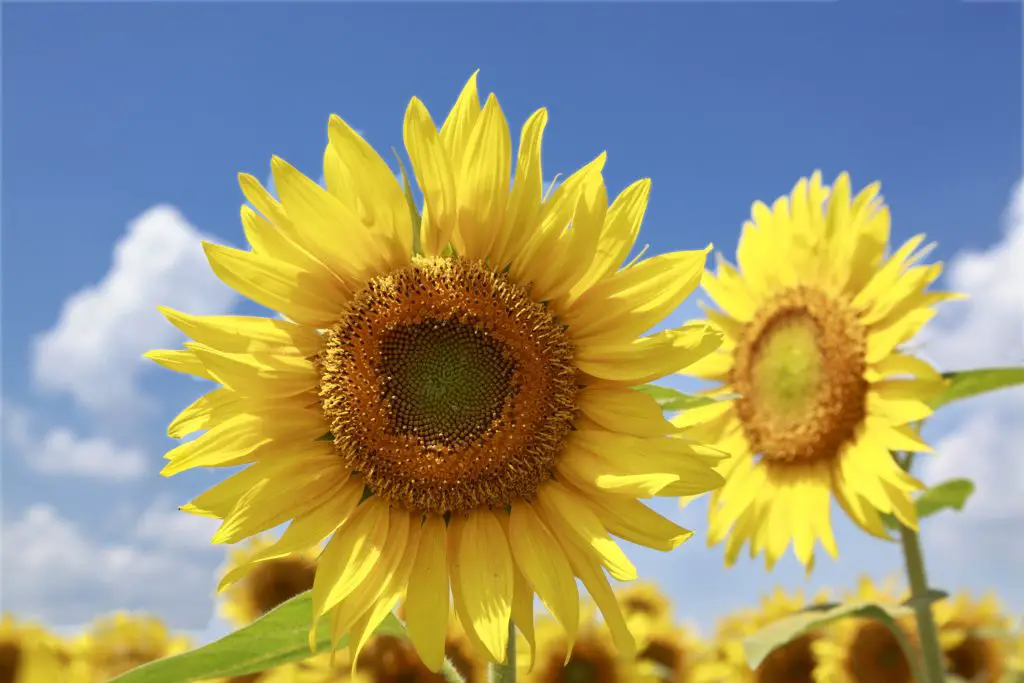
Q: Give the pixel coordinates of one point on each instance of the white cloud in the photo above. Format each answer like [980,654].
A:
[62,452]
[981,438]
[94,350]
[54,572]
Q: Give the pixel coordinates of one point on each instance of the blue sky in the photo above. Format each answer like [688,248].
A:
[114,112]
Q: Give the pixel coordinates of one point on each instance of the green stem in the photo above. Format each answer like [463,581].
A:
[928,634]
[506,673]
[450,673]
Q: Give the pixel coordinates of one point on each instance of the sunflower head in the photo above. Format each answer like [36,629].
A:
[670,653]
[590,658]
[974,635]
[861,650]
[450,391]
[120,642]
[814,318]
[265,585]
[30,654]
[793,662]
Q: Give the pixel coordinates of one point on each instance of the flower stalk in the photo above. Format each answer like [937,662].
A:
[928,635]
[506,673]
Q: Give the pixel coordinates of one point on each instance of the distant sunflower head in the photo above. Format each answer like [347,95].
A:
[865,650]
[814,319]
[120,642]
[450,391]
[590,658]
[670,653]
[30,654]
[265,585]
[793,662]
[975,637]
[645,606]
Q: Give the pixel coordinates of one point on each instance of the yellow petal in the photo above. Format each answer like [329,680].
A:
[279,286]
[572,517]
[485,578]
[524,204]
[184,361]
[246,334]
[649,358]
[259,374]
[207,410]
[483,183]
[433,169]
[621,227]
[631,520]
[542,562]
[633,300]
[624,410]
[457,129]
[350,555]
[426,604]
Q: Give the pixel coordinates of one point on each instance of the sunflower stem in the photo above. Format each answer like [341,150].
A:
[928,635]
[450,673]
[506,673]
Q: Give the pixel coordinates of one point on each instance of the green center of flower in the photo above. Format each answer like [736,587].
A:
[447,388]
[799,370]
[445,379]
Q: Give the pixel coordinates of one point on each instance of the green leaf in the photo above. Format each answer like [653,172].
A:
[278,637]
[952,494]
[968,383]
[949,495]
[671,400]
[785,630]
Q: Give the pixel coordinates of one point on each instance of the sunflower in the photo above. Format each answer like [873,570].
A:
[670,653]
[452,391]
[974,637]
[123,641]
[794,662]
[29,654]
[819,395]
[269,584]
[645,608]
[859,650]
[590,658]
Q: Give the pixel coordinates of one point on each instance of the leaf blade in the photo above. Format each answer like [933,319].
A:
[671,400]
[281,636]
[969,383]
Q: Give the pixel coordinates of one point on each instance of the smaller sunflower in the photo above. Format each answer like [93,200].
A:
[29,654]
[974,637]
[591,658]
[670,653]
[118,643]
[791,663]
[282,674]
[258,585]
[645,608]
[864,650]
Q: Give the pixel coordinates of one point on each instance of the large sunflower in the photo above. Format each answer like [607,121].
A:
[267,585]
[813,320]
[473,376]
[974,635]
[29,654]
[794,662]
[857,650]
[123,641]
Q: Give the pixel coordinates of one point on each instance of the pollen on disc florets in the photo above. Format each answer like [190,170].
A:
[447,387]
[799,372]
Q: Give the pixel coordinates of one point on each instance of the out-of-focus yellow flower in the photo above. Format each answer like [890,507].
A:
[590,658]
[120,642]
[262,586]
[861,650]
[670,653]
[645,607]
[30,654]
[975,637]
[791,663]
[814,319]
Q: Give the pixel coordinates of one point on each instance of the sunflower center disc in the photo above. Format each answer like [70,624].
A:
[447,388]
[276,581]
[800,373]
[875,656]
[10,660]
